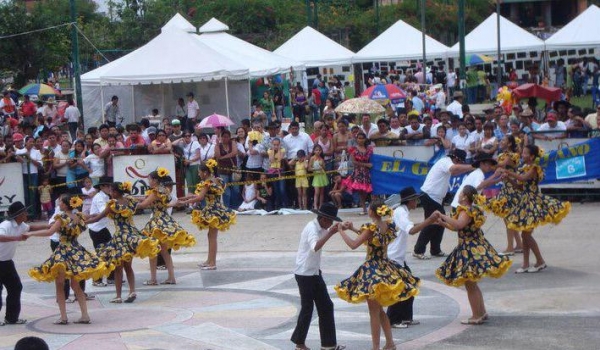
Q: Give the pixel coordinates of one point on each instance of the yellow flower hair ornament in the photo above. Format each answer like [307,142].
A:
[162,172]
[540,152]
[517,141]
[126,186]
[211,164]
[383,210]
[75,202]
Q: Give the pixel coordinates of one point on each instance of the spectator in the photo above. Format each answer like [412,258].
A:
[177,132]
[95,163]
[395,125]
[456,106]
[552,129]
[264,195]
[361,177]
[72,115]
[297,140]
[414,133]
[112,114]
[383,136]
[28,110]
[31,343]
[135,140]
[277,160]
[180,111]
[144,128]
[61,166]
[193,113]
[439,142]
[502,129]
[77,170]
[161,145]
[462,141]
[300,104]
[488,143]
[324,140]
[366,126]
[339,193]
[225,153]
[30,159]
[266,102]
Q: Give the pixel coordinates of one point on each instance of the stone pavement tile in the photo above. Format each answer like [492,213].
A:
[261,284]
[247,321]
[104,341]
[153,339]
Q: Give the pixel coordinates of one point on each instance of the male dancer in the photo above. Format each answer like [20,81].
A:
[99,232]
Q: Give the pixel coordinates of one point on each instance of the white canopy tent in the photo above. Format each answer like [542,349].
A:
[401,41]
[581,32]
[482,40]
[260,62]
[301,47]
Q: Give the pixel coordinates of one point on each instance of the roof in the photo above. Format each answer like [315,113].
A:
[482,39]
[581,32]
[387,47]
[178,22]
[301,47]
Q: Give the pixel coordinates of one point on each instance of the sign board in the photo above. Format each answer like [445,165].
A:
[11,185]
[136,168]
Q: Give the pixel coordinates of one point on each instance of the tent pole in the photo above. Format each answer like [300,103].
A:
[133,103]
[250,96]
[227,98]
[162,93]
[102,102]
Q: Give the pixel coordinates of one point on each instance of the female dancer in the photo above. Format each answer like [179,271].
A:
[213,215]
[69,260]
[379,281]
[361,178]
[509,159]
[162,226]
[126,242]
[474,257]
[528,209]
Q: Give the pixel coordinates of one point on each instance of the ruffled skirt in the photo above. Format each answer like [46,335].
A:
[127,242]
[472,260]
[163,227]
[214,215]
[378,279]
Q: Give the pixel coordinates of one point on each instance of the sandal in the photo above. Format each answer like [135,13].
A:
[116,301]
[90,297]
[208,267]
[70,301]
[61,322]
[421,256]
[161,267]
[19,321]
[473,321]
[99,284]
[130,298]
[150,283]
[168,282]
[80,321]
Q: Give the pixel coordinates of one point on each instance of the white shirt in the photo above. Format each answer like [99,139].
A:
[437,182]
[476,136]
[455,108]
[372,129]
[56,235]
[398,131]
[397,248]
[462,142]
[62,159]
[72,114]
[207,152]
[560,126]
[300,142]
[308,261]
[193,110]
[10,228]
[451,79]
[475,178]
[192,150]
[34,154]
[255,160]
[99,203]
[96,164]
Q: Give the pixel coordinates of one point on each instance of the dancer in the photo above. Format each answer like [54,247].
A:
[214,215]
[320,181]
[127,241]
[12,231]
[70,260]
[509,159]
[313,290]
[401,313]
[378,281]
[474,257]
[528,209]
[161,225]
[98,230]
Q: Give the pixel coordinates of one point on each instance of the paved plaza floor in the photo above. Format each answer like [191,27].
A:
[251,301]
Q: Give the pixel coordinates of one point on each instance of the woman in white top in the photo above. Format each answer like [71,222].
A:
[462,141]
[488,143]
[191,159]
[95,163]
[61,165]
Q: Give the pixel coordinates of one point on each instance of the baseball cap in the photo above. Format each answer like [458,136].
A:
[175,122]
[18,137]
[152,130]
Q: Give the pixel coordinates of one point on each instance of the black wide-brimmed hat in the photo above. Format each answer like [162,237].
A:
[408,193]
[327,210]
[15,209]
[104,180]
[458,154]
[484,157]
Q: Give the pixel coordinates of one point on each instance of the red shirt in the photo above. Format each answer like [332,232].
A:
[28,109]
[316,96]
[139,142]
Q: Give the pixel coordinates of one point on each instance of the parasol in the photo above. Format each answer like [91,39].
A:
[384,93]
[39,89]
[533,90]
[360,105]
[473,60]
[214,121]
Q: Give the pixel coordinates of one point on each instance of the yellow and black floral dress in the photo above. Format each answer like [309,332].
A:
[214,214]
[127,241]
[378,278]
[499,203]
[529,208]
[69,256]
[474,257]
[163,227]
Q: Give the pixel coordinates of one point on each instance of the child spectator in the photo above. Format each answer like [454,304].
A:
[249,194]
[88,193]
[300,164]
[320,181]
[264,194]
[46,198]
[95,163]
[339,192]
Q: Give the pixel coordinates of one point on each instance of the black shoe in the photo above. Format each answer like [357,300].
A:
[439,255]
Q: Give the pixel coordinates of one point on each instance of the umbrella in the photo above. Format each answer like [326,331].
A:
[214,121]
[360,105]
[533,90]
[384,93]
[39,89]
[473,60]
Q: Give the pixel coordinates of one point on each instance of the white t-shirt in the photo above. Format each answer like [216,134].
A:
[397,248]
[72,114]
[372,129]
[475,178]
[560,126]
[398,131]
[308,261]
[62,158]
[10,228]
[455,108]
[462,142]
[207,152]
[193,109]
[437,182]
[190,151]
[34,154]
[451,79]
[99,203]
[96,164]
[300,142]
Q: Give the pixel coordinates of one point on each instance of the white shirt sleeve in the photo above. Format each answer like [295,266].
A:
[313,238]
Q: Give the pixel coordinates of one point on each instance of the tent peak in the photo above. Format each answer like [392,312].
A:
[214,26]
[178,22]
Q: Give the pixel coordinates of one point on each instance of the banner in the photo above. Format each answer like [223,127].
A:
[11,185]
[135,169]
[578,162]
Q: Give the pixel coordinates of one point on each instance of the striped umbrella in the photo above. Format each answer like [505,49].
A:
[214,121]
[473,60]
[39,89]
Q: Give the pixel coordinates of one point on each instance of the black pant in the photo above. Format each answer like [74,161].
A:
[67,286]
[9,278]
[403,310]
[101,237]
[313,291]
[431,233]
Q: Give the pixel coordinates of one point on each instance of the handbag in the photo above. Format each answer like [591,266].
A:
[343,167]
[236,175]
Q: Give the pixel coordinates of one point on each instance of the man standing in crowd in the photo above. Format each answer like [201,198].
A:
[72,116]
[28,109]
[297,140]
[193,112]
[313,290]
[103,139]
[112,114]
[456,106]
[555,128]
[434,190]
[11,232]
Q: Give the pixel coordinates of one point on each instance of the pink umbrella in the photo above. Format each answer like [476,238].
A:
[215,120]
